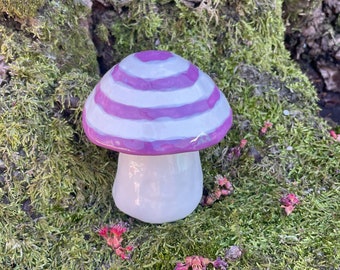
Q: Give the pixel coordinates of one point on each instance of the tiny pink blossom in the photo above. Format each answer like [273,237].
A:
[208,200]
[243,143]
[123,253]
[268,124]
[265,127]
[223,187]
[334,135]
[288,202]
[118,229]
[288,209]
[130,248]
[217,194]
[221,181]
[103,231]
[113,236]
[114,242]
[289,199]
[229,186]
[225,192]
[200,263]
[197,262]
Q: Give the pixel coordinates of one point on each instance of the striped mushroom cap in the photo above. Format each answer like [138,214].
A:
[156,103]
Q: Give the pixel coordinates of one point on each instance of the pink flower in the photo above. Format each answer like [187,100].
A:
[113,236]
[208,200]
[225,192]
[243,143]
[129,248]
[288,202]
[289,199]
[334,135]
[235,152]
[118,229]
[114,242]
[200,263]
[221,181]
[123,253]
[265,127]
[223,187]
[288,209]
[103,231]
[197,262]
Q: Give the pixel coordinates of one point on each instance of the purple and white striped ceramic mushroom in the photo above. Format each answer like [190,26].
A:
[158,110]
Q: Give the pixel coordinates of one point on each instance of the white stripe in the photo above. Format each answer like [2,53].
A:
[160,129]
[154,69]
[124,94]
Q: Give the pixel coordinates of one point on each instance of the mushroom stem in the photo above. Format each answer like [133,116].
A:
[158,189]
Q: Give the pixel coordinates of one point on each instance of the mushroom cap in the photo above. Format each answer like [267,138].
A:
[156,103]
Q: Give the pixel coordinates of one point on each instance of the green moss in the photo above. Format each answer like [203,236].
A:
[20,8]
[297,12]
[55,188]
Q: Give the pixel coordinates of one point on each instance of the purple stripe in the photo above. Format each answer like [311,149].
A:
[181,80]
[147,56]
[162,147]
[130,112]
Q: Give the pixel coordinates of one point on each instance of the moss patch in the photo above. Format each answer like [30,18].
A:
[21,9]
[55,187]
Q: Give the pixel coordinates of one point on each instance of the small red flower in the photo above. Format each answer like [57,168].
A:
[334,135]
[113,236]
[221,181]
[224,184]
[114,242]
[235,152]
[200,263]
[265,127]
[290,199]
[103,231]
[288,202]
[223,187]
[118,229]
[122,253]
[243,143]
[129,248]
[208,200]
[225,192]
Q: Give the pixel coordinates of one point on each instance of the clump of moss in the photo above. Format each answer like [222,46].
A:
[20,8]
[56,186]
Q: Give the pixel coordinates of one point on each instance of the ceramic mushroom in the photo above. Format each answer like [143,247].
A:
[158,110]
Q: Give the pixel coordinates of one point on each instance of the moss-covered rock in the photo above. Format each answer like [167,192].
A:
[55,186]
[21,8]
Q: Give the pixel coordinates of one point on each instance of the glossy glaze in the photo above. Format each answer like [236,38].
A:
[154,103]
[158,189]
[158,110]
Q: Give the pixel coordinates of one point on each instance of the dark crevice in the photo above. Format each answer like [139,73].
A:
[313,38]
[101,17]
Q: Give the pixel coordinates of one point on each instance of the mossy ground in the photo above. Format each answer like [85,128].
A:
[55,186]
